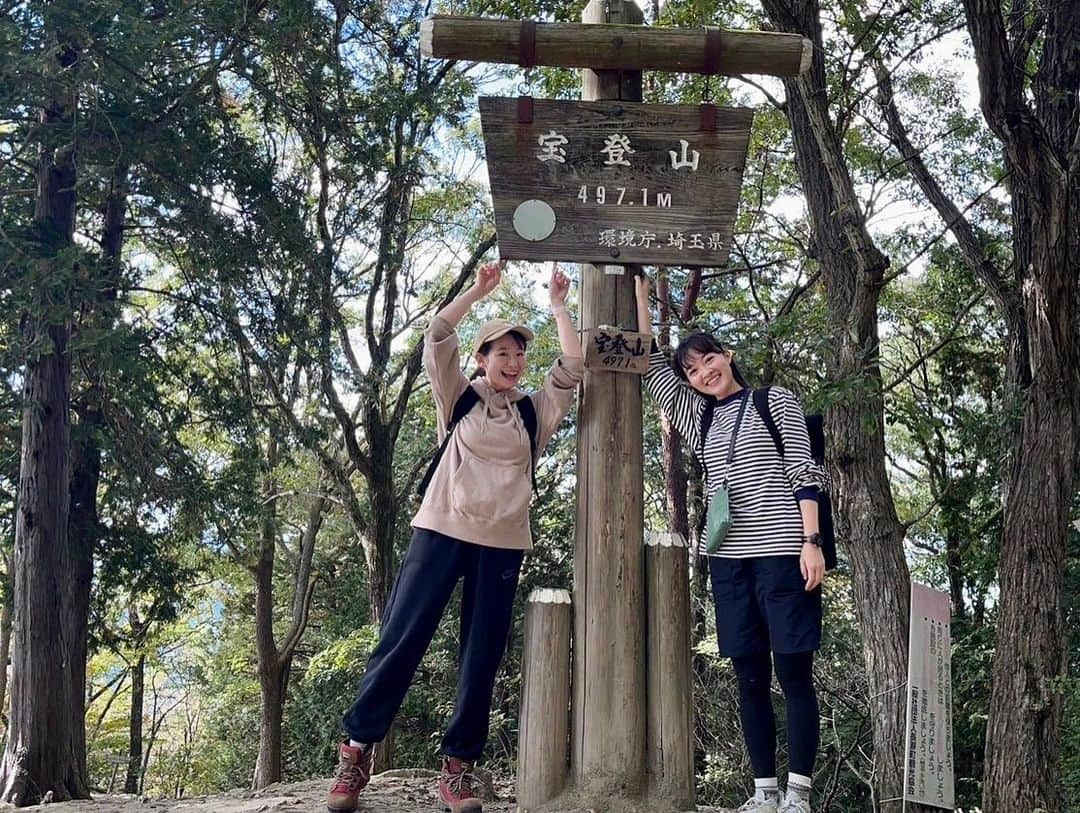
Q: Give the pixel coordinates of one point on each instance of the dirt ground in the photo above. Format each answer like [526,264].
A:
[405,791]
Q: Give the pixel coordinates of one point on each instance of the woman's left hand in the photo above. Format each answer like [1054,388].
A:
[812,565]
[559,286]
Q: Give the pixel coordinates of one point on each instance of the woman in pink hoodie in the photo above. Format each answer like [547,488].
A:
[473,524]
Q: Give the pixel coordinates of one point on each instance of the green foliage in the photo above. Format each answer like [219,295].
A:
[287,170]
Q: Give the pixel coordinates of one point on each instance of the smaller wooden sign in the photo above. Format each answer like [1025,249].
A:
[617,350]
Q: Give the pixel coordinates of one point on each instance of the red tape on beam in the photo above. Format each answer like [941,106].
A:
[712,51]
[527,44]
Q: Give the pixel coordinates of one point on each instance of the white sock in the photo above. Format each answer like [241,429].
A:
[768,788]
[799,785]
[355,744]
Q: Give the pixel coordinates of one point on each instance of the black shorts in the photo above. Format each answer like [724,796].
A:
[762,605]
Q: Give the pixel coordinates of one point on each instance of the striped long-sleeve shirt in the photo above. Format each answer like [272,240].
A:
[763,488]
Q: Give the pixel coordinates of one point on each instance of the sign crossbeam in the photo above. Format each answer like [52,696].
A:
[702,50]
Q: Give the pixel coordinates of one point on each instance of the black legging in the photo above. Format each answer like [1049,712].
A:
[795,673]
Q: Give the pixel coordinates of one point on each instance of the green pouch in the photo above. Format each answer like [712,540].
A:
[718,517]
[718,520]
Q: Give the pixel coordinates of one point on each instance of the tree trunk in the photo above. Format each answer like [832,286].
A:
[83,526]
[384,516]
[1034,114]
[1023,733]
[273,685]
[853,273]
[274,662]
[384,511]
[135,726]
[82,540]
[5,642]
[39,754]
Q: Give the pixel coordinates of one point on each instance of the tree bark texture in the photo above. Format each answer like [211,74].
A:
[84,530]
[274,660]
[5,640]
[609,718]
[135,726]
[853,273]
[1035,117]
[39,754]
[1041,141]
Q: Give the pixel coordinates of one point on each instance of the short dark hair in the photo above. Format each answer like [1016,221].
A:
[701,343]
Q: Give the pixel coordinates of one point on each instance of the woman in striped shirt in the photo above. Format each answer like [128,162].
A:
[766,573]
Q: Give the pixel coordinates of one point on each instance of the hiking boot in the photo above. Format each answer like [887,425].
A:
[794,803]
[351,777]
[457,786]
[760,802]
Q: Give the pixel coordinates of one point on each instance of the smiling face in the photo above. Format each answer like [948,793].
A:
[503,361]
[709,373]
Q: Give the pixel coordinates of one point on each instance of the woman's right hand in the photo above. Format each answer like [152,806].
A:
[642,287]
[488,277]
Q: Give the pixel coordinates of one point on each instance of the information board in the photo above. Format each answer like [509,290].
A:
[928,752]
[615,182]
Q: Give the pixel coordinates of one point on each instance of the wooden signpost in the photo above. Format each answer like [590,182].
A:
[609,180]
[615,182]
[617,350]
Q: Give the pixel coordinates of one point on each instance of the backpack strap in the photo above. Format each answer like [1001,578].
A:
[527,409]
[464,404]
[703,429]
[462,407]
[761,404]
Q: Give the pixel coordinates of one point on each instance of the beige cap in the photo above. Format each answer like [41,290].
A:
[490,331]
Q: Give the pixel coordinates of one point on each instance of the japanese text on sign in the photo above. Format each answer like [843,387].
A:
[623,351]
[928,755]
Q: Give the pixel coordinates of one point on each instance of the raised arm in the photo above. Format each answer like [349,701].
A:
[488,278]
[569,340]
[681,404]
[641,296]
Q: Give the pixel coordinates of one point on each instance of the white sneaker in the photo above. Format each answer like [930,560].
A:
[793,803]
[758,803]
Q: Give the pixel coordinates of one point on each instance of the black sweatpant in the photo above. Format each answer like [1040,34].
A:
[795,673]
[425,582]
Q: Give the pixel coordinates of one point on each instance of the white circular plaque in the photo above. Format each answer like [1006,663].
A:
[534,220]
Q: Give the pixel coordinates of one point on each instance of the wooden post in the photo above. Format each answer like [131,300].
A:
[615,47]
[608,743]
[543,733]
[670,680]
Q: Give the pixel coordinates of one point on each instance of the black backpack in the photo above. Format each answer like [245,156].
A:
[815,428]
[462,407]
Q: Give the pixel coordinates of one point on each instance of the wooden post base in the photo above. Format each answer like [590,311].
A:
[670,685]
[544,727]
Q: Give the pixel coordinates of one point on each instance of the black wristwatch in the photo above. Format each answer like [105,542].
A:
[813,539]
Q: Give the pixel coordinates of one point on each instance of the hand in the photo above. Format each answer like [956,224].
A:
[558,287]
[812,565]
[488,278]
[641,296]
[642,288]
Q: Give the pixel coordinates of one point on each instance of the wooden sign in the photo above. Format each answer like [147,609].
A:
[617,350]
[928,753]
[614,182]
